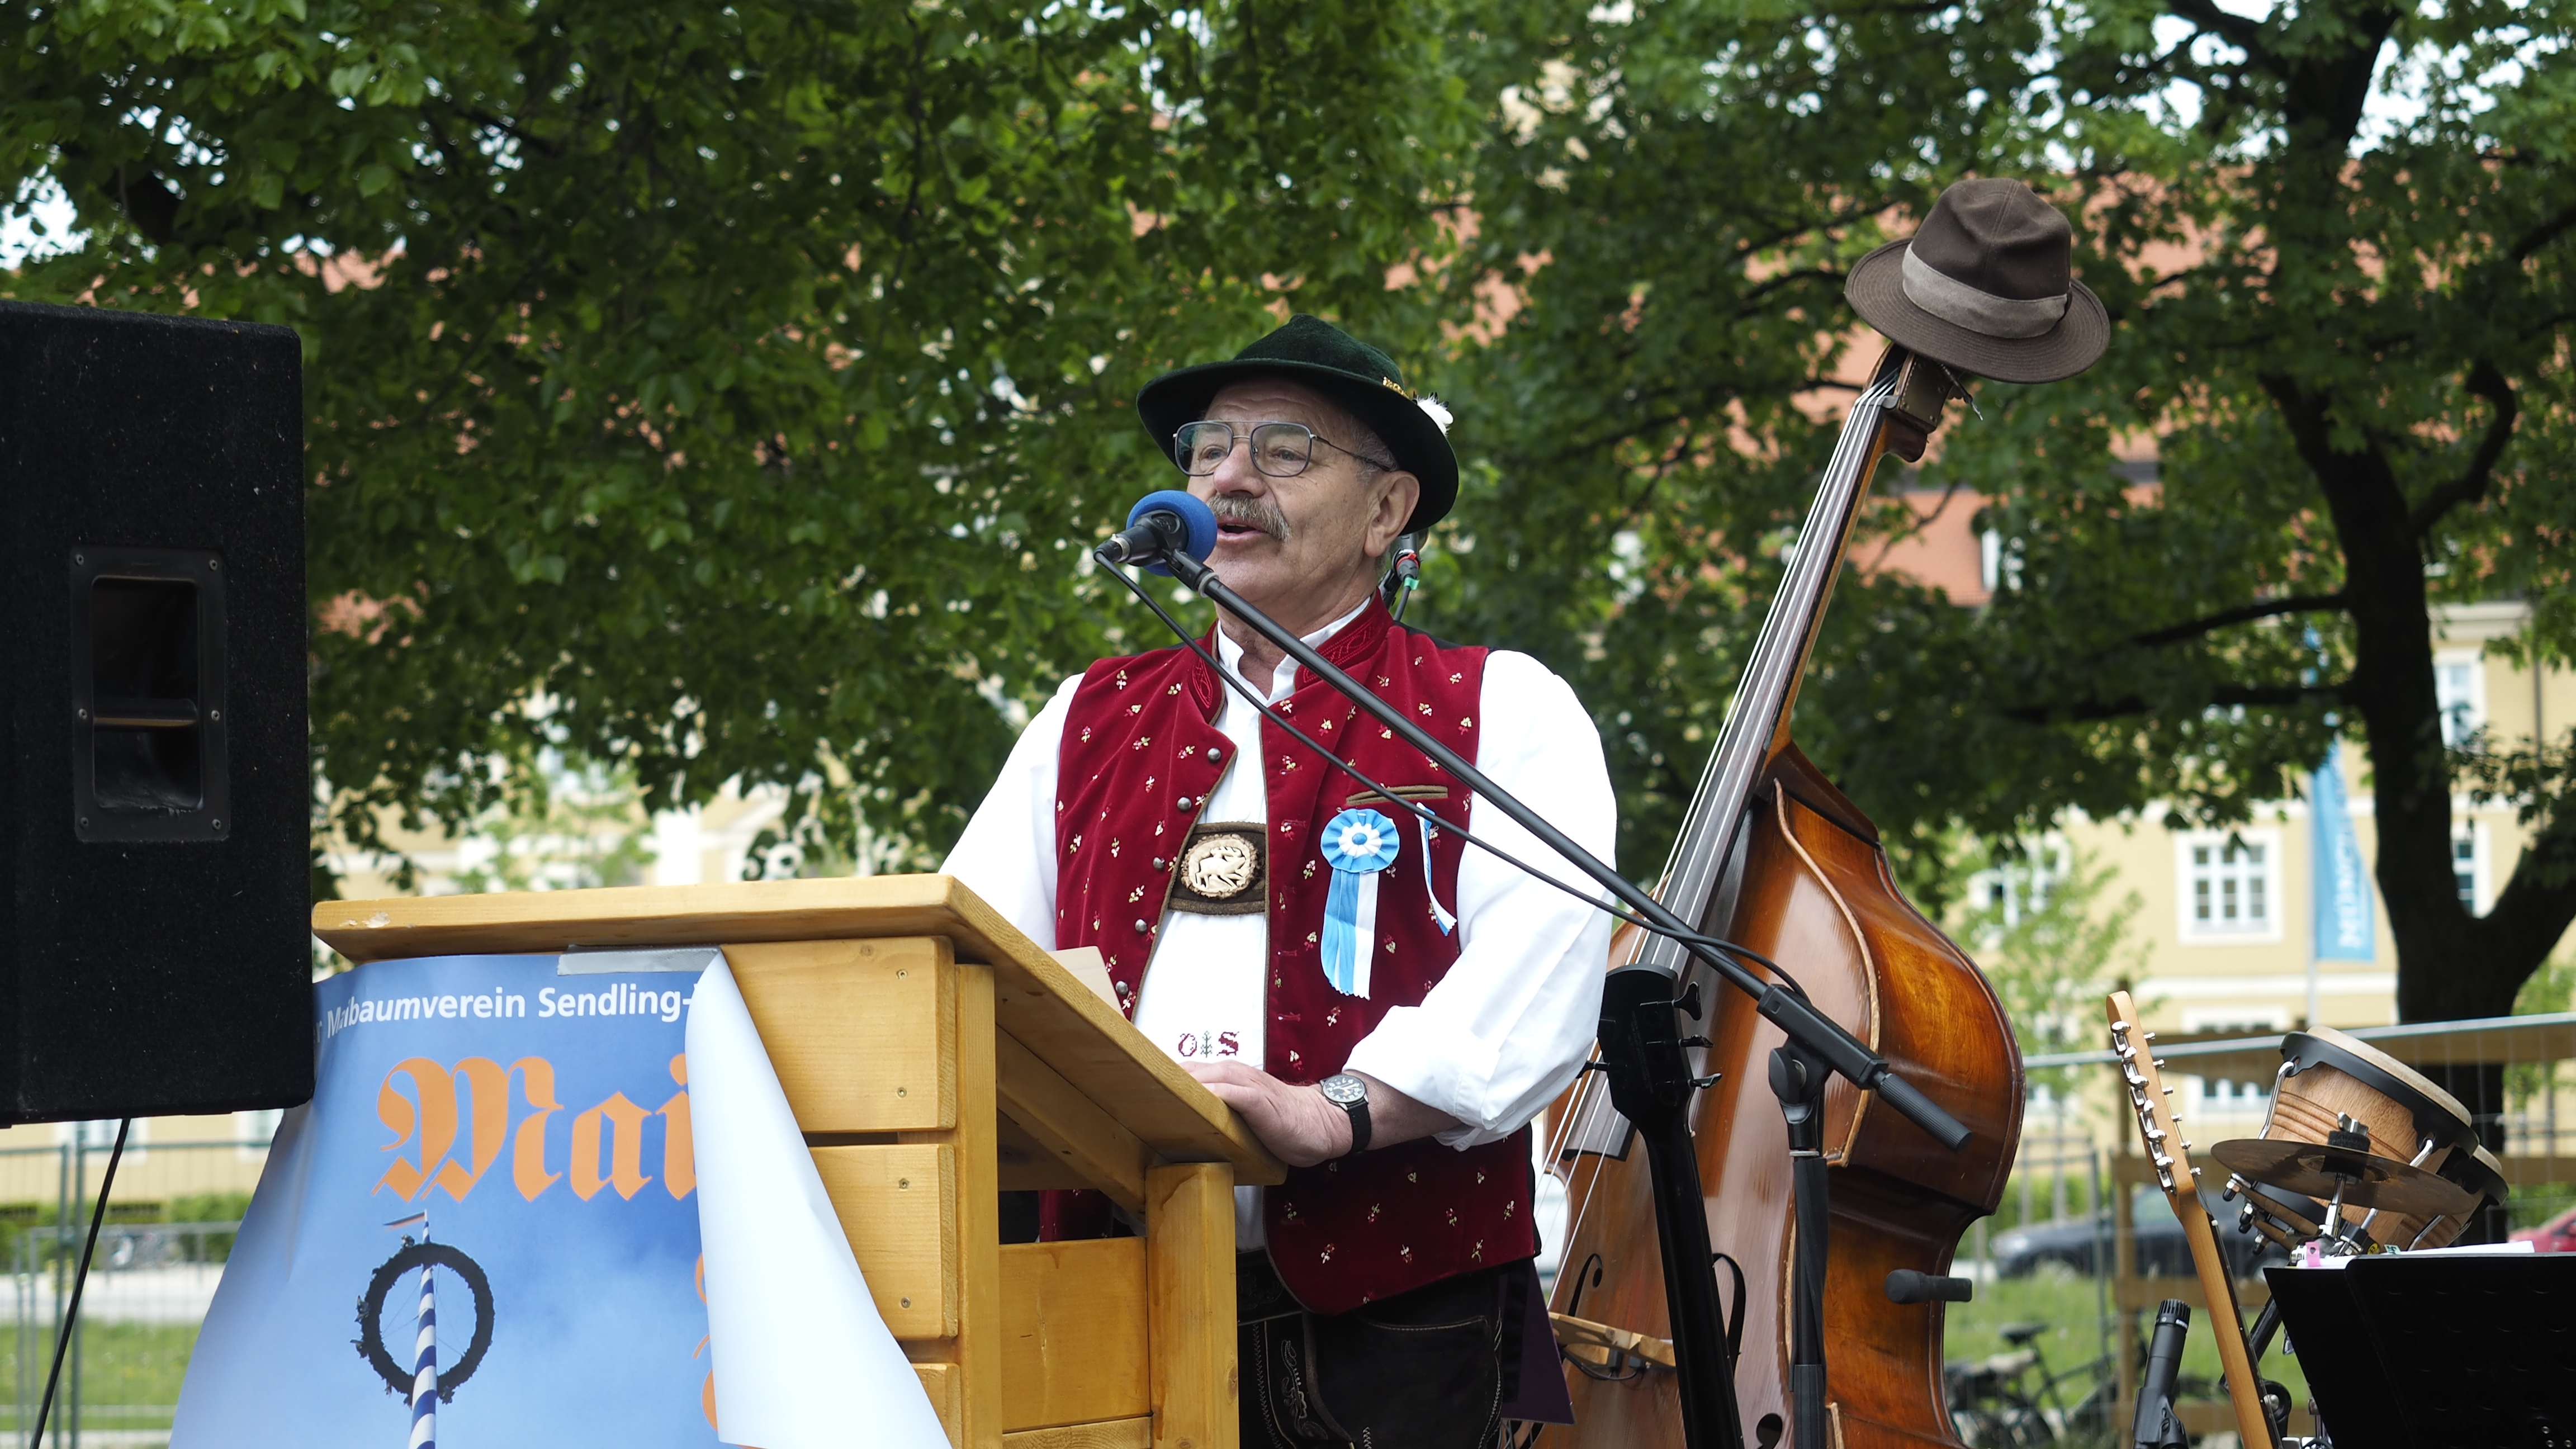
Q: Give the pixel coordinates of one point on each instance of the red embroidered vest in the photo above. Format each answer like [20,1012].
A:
[1132,776]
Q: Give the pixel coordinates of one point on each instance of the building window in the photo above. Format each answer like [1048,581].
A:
[2231,886]
[2217,1094]
[2458,694]
[1998,562]
[2018,887]
[2234,1097]
[2227,888]
[2464,868]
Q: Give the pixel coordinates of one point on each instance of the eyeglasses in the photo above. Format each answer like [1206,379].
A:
[1279,450]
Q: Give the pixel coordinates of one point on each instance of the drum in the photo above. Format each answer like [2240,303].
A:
[2326,1075]
[2476,1170]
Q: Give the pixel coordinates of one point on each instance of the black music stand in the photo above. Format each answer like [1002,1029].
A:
[2423,1351]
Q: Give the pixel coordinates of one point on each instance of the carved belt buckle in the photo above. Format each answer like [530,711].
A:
[1222,871]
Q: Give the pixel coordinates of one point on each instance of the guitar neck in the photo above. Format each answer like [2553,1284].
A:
[2143,1076]
[2226,1324]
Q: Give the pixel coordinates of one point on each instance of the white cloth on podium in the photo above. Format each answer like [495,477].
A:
[802,1358]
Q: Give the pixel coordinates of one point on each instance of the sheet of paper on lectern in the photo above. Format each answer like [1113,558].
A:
[800,1351]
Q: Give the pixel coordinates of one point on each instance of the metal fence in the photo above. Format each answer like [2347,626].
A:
[171,1223]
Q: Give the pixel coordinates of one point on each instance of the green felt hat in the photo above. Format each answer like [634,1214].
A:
[1360,378]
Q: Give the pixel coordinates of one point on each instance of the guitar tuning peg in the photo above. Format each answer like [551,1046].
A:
[2160,1064]
[2150,1036]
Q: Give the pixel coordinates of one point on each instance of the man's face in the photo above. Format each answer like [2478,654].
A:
[1294,546]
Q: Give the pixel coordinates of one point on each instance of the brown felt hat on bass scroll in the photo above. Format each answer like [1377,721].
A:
[1987,286]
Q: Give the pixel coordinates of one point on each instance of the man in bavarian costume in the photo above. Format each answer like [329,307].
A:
[1386,1007]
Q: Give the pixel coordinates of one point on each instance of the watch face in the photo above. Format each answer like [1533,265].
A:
[1342,1089]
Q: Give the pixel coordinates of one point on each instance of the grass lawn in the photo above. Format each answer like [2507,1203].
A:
[2072,1308]
[130,1375]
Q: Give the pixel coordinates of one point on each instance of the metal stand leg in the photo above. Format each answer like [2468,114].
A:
[1798,1080]
[1650,1084]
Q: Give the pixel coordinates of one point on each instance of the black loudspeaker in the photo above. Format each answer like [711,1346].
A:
[155,953]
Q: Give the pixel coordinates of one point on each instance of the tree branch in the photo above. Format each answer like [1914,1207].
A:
[2241,614]
[2245,34]
[2471,485]
[2082,711]
[2542,235]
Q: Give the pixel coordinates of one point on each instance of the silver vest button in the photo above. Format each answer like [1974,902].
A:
[1140,928]
[1215,755]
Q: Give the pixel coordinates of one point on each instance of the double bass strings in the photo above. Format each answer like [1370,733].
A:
[1699,851]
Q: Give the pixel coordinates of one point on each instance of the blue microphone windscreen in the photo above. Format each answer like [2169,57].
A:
[1196,516]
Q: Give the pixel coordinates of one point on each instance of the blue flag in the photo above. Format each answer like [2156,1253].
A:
[2344,927]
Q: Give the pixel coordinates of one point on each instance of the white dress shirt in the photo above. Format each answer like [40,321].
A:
[1496,1038]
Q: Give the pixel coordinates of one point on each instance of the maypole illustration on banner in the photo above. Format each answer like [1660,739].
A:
[424,1374]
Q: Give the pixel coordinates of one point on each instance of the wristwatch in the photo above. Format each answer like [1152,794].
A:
[1351,1095]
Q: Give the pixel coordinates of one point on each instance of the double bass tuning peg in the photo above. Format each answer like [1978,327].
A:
[1688,1003]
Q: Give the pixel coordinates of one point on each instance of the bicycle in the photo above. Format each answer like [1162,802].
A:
[1997,1403]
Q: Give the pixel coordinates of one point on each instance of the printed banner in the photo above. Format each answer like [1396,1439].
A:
[2344,925]
[483,1230]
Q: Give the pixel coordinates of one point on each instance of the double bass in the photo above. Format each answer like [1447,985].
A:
[1772,857]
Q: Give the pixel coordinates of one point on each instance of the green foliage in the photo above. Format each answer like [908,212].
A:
[2052,939]
[719,391]
[2549,989]
[2335,244]
[728,393]
[560,829]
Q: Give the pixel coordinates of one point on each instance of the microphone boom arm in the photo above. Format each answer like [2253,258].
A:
[1804,1025]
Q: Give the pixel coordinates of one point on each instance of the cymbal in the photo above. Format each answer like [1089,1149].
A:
[2383,1182]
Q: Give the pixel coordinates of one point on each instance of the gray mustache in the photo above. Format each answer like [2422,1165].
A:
[1250,512]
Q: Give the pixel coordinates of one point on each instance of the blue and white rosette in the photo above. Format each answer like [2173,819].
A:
[1357,845]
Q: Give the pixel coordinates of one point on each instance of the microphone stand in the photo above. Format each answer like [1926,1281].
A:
[1643,1053]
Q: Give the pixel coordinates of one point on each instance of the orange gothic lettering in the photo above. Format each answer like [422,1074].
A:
[432,1124]
[624,1122]
[679,1148]
[528,1156]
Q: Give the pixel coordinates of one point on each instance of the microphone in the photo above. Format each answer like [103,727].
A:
[1403,576]
[1162,524]
[2157,1427]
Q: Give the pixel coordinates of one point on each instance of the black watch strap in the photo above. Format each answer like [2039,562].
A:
[1354,1104]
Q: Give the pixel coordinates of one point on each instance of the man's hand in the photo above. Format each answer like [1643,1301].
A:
[1302,1129]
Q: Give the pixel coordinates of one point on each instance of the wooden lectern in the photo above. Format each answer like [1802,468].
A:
[935,1057]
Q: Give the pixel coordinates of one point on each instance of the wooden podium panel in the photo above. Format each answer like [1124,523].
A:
[934,1056]
[1039,1003]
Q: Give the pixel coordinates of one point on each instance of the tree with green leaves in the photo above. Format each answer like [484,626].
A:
[2052,938]
[722,392]
[2335,241]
